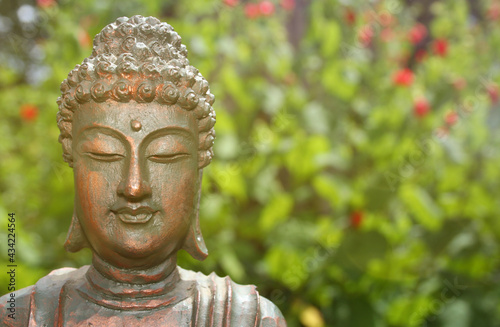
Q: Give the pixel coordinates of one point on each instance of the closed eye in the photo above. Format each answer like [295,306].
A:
[107,157]
[168,158]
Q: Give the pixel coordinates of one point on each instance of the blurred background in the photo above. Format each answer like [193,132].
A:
[357,154]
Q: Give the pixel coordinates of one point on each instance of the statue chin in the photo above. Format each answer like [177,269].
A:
[136,123]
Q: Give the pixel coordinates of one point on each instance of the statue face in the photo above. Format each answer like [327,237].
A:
[136,179]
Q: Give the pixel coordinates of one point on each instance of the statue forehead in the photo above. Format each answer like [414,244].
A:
[133,117]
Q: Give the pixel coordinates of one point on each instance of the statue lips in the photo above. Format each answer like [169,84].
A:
[139,215]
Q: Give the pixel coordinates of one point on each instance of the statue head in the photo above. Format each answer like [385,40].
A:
[136,124]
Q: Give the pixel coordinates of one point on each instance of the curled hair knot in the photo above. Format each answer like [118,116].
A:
[141,51]
[122,91]
[109,57]
[126,68]
[82,92]
[137,19]
[105,68]
[169,93]
[146,92]
[156,48]
[121,20]
[208,141]
[69,101]
[83,71]
[173,74]
[145,28]
[189,99]
[65,86]
[126,29]
[202,110]
[183,50]
[107,32]
[152,20]
[128,44]
[73,76]
[149,70]
[210,98]
[99,91]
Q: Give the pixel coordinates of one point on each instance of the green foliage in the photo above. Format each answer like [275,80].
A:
[328,191]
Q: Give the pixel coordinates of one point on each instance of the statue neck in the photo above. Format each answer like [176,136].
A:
[135,276]
[132,289]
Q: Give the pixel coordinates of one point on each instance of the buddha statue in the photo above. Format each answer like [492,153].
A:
[136,122]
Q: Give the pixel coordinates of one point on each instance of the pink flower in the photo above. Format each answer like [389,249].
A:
[421,107]
[451,118]
[288,4]
[493,93]
[266,8]
[365,35]
[417,33]
[45,3]
[252,10]
[494,11]
[386,19]
[387,34]
[440,47]
[231,3]
[403,77]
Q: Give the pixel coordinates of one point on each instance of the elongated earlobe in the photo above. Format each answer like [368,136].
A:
[194,243]
[76,239]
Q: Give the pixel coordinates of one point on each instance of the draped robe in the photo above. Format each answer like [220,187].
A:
[83,297]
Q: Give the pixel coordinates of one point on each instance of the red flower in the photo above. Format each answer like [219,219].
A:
[421,107]
[493,92]
[420,55]
[266,8]
[459,83]
[365,35]
[494,11]
[350,16]
[403,77]
[28,112]
[288,4]
[386,19]
[84,39]
[451,118]
[387,34]
[417,33]
[440,47]
[356,219]
[252,10]
[231,3]
[45,3]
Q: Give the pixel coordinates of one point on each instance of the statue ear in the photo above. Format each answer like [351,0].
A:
[76,239]
[194,243]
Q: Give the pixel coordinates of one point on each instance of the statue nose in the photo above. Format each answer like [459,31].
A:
[134,186]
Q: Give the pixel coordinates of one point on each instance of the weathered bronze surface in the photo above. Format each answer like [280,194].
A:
[136,125]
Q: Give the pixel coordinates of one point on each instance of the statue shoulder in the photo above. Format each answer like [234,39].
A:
[220,299]
[15,307]
[270,314]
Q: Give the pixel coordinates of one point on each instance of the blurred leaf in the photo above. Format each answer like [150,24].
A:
[276,211]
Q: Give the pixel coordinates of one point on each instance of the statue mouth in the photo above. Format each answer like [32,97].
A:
[140,215]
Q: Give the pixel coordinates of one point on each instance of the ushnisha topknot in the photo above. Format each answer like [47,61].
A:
[140,59]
